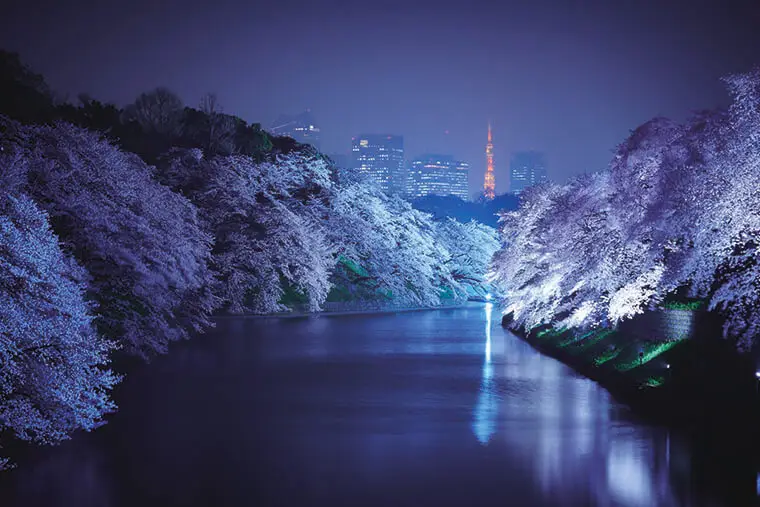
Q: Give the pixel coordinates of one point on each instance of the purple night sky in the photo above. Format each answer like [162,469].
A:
[567,77]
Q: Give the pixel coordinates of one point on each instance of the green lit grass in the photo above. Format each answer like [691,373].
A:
[691,306]
[594,338]
[447,293]
[606,356]
[550,333]
[654,382]
[574,339]
[352,266]
[651,351]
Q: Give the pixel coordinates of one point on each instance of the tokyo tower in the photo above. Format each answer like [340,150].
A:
[489,185]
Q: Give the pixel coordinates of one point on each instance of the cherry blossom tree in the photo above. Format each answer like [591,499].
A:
[395,244]
[736,214]
[141,243]
[470,247]
[53,365]
[267,220]
[677,209]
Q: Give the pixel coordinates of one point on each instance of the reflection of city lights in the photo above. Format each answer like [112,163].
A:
[628,476]
[489,310]
[484,424]
[563,427]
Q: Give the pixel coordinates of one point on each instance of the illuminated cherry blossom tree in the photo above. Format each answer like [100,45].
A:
[53,365]
[141,243]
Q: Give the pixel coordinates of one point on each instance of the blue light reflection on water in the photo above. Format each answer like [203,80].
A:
[484,423]
[575,445]
[440,408]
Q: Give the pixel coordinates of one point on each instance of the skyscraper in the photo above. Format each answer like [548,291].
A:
[300,127]
[438,175]
[489,185]
[526,169]
[381,157]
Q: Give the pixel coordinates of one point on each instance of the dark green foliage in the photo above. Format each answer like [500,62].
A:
[339,294]
[291,296]
[151,126]
[94,115]
[251,140]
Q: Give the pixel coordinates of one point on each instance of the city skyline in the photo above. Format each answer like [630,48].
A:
[571,82]
[304,128]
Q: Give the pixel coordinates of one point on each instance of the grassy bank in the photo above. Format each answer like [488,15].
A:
[698,381]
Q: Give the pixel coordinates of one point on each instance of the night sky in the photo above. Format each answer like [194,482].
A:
[570,78]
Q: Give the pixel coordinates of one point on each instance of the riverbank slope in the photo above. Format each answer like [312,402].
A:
[696,381]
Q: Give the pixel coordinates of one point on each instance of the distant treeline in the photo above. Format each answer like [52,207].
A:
[484,211]
[124,229]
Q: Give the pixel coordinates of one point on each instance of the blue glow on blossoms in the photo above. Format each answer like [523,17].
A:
[606,234]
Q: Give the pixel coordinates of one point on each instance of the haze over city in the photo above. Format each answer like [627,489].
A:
[567,78]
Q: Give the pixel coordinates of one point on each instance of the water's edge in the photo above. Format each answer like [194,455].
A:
[338,313]
[727,418]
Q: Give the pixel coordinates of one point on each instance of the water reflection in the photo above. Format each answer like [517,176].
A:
[484,423]
[440,408]
[560,426]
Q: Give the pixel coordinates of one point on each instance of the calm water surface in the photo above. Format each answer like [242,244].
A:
[422,408]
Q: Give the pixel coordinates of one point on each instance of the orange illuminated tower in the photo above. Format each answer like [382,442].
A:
[489,185]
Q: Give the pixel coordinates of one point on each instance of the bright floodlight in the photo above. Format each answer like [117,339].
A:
[757,374]
[667,366]
[488,297]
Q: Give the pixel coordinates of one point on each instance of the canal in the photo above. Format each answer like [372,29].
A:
[420,408]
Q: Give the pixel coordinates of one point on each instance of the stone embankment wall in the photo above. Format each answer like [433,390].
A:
[662,325]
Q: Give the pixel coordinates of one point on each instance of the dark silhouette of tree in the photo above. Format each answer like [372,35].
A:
[251,140]
[208,128]
[158,112]
[24,95]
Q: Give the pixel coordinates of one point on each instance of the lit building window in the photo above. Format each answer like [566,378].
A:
[381,157]
[438,175]
[526,169]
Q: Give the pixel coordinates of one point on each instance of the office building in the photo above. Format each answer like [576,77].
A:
[381,158]
[438,175]
[527,168]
